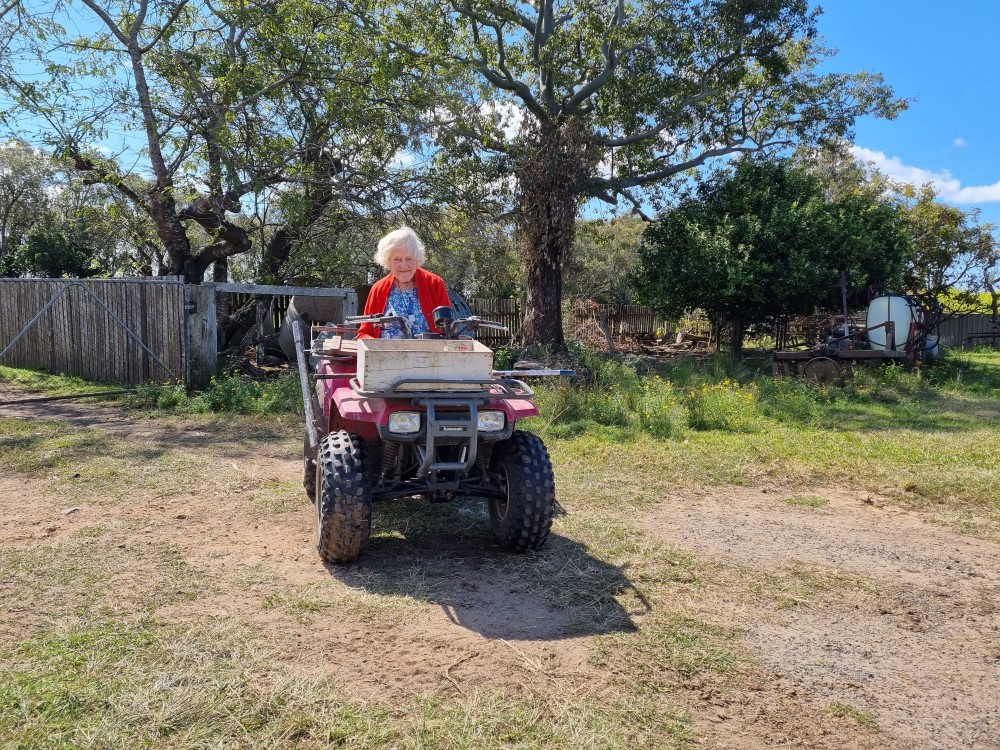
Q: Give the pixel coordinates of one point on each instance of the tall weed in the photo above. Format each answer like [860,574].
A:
[228,393]
[723,406]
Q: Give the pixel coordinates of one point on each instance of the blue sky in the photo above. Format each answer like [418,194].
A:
[945,57]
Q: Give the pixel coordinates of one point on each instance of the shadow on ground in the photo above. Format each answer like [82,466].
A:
[446,554]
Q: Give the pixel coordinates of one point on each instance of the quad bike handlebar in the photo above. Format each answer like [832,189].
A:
[380,320]
[443,318]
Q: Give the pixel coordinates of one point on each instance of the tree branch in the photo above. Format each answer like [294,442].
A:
[104,177]
[503,78]
[109,22]
[163,29]
[618,184]
[9,7]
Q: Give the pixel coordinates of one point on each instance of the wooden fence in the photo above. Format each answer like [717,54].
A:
[132,331]
[622,320]
[633,320]
[505,311]
[125,331]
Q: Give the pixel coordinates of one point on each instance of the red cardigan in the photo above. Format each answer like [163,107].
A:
[431,293]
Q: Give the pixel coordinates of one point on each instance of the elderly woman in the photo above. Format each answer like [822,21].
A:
[408,290]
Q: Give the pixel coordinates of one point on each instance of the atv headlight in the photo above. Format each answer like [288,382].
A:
[490,421]
[404,422]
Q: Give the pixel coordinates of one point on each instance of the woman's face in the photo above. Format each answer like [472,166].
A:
[402,265]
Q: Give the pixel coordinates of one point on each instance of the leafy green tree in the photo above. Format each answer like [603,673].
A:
[581,100]
[952,254]
[254,121]
[604,258]
[26,174]
[765,241]
[54,253]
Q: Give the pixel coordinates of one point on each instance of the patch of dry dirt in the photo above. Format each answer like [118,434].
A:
[922,655]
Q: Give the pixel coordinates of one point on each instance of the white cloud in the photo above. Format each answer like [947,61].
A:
[947,187]
[958,142]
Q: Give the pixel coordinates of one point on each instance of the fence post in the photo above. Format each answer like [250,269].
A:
[203,344]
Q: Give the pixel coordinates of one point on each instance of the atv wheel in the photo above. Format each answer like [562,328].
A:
[344,502]
[522,518]
[308,469]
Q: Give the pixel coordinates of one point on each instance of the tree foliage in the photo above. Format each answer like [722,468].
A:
[764,241]
[25,178]
[953,257]
[247,121]
[604,259]
[267,130]
[610,100]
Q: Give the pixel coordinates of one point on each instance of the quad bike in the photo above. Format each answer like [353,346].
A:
[425,417]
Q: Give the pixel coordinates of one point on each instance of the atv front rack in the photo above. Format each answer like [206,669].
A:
[436,430]
[493,388]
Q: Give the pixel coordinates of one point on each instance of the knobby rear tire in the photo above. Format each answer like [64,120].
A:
[344,502]
[521,521]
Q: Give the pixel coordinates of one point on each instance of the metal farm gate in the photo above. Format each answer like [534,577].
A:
[127,331]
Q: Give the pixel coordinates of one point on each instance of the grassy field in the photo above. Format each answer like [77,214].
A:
[113,634]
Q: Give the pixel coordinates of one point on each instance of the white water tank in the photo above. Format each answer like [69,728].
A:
[902,311]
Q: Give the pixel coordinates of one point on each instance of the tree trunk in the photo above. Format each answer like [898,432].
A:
[553,163]
[736,335]
[543,300]
[163,212]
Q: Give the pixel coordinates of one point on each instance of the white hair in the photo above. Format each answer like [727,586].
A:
[403,237]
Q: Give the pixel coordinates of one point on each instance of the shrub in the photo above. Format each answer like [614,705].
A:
[659,408]
[240,395]
[610,407]
[725,406]
[791,401]
[227,393]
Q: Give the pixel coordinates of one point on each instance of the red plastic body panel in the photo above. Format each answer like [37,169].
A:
[343,409]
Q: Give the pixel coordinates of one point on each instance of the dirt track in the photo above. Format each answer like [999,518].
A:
[901,620]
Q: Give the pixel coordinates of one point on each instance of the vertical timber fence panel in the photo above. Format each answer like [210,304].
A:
[505,311]
[127,331]
[624,320]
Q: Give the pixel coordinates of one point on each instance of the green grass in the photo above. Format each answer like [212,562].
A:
[845,710]
[928,439]
[807,501]
[148,684]
[43,383]
[109,645]
[959,393]
[233,394]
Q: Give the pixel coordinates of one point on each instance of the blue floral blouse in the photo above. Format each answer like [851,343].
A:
[405,304]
